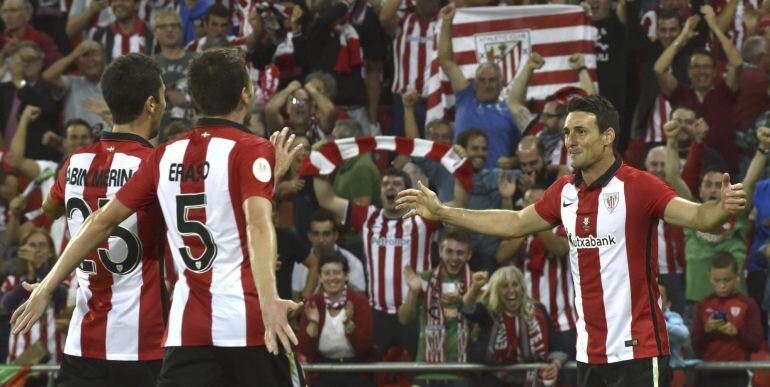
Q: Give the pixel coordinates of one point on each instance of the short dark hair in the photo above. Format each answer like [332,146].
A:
[665,14]
[333,256]
[466,136]
[216,10]
[703,51]
[391,171]
[323,215]
[683,107]
[561,109]
[76,121]
[720,169]
[175,128]
[723,260]
[216,79]
[456,234]
[127,83]
[606,114]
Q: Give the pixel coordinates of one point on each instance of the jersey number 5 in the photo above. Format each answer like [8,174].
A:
[133,244]
[187,227]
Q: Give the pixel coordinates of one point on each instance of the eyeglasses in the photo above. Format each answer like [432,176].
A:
[168,25]
[298,101]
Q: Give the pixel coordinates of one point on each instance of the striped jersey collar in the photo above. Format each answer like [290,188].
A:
[601,181]
[123,136]
[208,121]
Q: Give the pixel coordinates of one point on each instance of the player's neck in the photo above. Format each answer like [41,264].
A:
[141,129]
[237,115]
[597,169]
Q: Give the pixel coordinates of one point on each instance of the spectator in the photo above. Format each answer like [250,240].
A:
[127,34]
[173,62]
[413,32]
[726,325]
[192,13]
[329,42]
[678,334]
[216,23]
[291,251]
[336,326]
[358,179]
[323,237]
[670,243]
[436,295]
[385,234]
[84,14]
[513,328]
[16,15]
[309,111]
[714,101]
[535,166]
[175,129]
[477,104]
[753,99]
[543,259]
[25,88]
[691,145]
[36,257]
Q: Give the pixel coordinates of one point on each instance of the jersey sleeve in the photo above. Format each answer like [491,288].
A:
[253,166]
[356,215]
[142,189]
[653,193]
[548,207]
[57,190]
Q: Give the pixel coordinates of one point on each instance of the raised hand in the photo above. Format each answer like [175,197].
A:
[733,196]
[688,32]
[311,311]
[284,153]
[479,279]
[420,201]
[672,129]
[763,135]
[708,14]
[700,130]
[506,186]
[410,98]
[448,13]
[576,61]
[535,61]
[413,280]
[30,113]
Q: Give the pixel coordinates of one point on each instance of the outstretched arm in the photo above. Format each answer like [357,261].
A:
[757,167]
[666,80]
[445,54]
[15,156]
[503,223]
[673,175]
[518,93]
[709,215]
[91,234]
[734,60]
[327,199]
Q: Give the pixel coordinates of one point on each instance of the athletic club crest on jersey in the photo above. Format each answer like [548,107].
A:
[586,224]
[611,201]
[735,311]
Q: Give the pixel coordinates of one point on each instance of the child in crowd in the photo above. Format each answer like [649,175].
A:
[726,325]
[678,333]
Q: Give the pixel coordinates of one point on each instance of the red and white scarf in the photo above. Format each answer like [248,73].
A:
[335,152]
[435,328]
[340,302]
[512,344]
[349,55]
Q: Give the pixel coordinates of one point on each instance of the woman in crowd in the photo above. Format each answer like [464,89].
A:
[336,326]
[513,328]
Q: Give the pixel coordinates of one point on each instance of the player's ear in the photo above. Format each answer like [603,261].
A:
[150,104]
[608,137]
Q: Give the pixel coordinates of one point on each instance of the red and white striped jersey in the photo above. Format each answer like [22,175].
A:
[119,309]
[117,43]
[549,281]
[738,30]
[389,245]
[659,114]
[202,180]
[44,330]
[612,231]
[670,249]
[413,46]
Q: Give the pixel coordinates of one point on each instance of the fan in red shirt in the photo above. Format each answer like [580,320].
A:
[726,325]
[610,212]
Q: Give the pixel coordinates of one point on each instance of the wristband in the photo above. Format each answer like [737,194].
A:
[763,151]
[581,68]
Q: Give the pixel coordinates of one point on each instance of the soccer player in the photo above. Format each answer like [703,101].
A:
[610,211]
[214,186]
[117,326]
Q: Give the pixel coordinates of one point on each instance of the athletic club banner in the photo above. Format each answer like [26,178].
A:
[333,153]
[507,35]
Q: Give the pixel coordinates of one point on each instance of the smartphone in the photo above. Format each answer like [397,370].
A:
[719,315]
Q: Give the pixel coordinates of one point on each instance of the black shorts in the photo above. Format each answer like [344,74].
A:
[647,372]
[229,366]
[85,372]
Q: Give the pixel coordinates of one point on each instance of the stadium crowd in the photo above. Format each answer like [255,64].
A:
[690,80]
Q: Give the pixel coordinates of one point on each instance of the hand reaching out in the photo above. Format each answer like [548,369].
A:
[733,196]
[284,153]
[413,280]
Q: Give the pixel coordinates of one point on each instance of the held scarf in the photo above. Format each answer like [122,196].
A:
[435,328]
[514,344]
[335,152]
[349,55]
[341,301]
